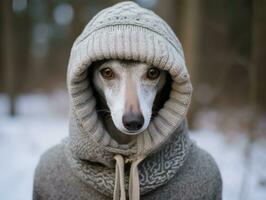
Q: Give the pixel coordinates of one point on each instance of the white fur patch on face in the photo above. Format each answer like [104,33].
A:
[127,90]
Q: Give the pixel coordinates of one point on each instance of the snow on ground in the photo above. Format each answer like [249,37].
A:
[42,122]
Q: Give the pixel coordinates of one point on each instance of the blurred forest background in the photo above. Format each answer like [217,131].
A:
[224,43]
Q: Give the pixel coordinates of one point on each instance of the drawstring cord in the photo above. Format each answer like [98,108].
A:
[133,188]
[119,179]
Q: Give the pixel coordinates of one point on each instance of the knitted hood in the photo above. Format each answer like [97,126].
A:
[125,31]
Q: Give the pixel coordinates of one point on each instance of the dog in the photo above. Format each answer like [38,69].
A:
[127,91]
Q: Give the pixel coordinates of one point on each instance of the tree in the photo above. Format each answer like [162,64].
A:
[8,44]
[258,67]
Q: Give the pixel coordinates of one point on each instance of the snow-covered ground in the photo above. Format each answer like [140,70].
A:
[42,122]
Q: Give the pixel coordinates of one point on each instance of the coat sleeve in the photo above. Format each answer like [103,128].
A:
[208,172]
[36,192]
[219,187]
[37,184]
[211,172]
[47,174]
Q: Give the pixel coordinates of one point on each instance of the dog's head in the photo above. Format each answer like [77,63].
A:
[129,89]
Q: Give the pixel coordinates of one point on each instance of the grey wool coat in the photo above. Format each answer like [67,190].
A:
[162,162]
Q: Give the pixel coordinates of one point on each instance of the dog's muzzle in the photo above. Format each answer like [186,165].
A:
[133,121]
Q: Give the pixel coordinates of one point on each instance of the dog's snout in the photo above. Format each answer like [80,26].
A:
[133,121]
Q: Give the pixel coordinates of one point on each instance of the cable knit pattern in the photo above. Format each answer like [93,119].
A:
[198,179]
[155,171]
[163,162]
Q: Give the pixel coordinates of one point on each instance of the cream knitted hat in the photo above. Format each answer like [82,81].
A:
[124,31]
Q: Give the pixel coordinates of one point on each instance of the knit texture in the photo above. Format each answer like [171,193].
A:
[126,31]
[155,171]
[198,179]
[90,164]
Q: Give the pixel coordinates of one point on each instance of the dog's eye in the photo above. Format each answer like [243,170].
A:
[153,73]
[107,73]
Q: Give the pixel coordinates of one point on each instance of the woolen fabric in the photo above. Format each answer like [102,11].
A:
[163,162]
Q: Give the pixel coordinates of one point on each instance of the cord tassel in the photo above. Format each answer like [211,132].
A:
[133,188]
[119,190]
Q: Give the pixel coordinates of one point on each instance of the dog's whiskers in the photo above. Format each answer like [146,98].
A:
[103,111]
[154,114]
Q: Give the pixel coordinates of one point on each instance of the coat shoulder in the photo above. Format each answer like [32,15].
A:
[48,173]
[199,178]
[54,178]
[202,165]
[202,175]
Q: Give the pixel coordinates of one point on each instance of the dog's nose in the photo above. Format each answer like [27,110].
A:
[133,121]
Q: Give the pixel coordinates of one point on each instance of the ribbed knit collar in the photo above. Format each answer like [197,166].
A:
[156,170]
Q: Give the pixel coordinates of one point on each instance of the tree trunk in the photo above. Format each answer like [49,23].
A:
[190,34]
[9,53]
[258,68]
